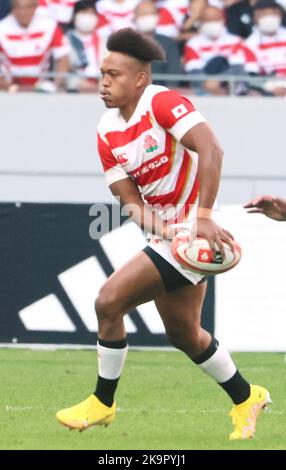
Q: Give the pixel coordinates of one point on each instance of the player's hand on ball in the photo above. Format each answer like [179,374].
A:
[213,233]
[194,253]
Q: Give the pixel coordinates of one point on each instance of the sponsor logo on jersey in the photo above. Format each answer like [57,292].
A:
[121,158]
[150,144]
[151,166]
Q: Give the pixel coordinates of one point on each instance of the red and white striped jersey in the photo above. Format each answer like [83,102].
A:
[266,54]
[118,15]
[25,52]
[200,49]
[147,149]
[60,10]
[171,17]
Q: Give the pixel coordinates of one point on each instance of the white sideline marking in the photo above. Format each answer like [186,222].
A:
[54,347]
[10,408]
[29,408]
[187,411]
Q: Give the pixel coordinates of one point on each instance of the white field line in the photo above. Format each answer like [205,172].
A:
[29,408]
[55,347]
[11,408]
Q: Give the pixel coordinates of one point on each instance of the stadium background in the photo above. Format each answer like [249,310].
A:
[51,184]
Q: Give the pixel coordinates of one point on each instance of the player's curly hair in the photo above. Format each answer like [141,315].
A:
[135,44]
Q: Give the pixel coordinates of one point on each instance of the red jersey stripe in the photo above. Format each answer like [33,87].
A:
[174,196]
[190,54]
[117,13]
[189,202]
[20,37]
[272,44]
[27,61]
[165,17]
[121,138]
[28,81]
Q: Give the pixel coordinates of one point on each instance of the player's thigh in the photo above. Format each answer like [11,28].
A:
[181,309]
[136,282]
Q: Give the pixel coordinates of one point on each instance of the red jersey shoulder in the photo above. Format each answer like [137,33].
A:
[58,37]
[107,158]
[169,107]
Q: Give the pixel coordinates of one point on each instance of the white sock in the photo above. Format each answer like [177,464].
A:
[219,366]
[110,361]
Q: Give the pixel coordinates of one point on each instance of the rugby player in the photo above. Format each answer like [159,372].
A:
[158,152]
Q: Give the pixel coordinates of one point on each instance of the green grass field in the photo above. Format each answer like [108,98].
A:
[164,402]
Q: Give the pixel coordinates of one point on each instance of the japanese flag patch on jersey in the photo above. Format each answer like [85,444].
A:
[179,111]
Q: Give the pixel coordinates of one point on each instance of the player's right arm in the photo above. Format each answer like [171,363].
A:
[129,196]
[271,206]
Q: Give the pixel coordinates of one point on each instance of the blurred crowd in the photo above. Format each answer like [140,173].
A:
[51,45]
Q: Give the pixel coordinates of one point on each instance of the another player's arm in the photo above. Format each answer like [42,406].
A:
[128,194]
[271,206]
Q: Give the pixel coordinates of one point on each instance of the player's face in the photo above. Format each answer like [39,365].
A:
[119,83]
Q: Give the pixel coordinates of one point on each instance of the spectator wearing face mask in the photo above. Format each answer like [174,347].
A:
[28,40]
[240,17]
[178,18]
[266,47]
[146,20]
[213,49]
[60,10]
[88,46]
[172,14]
[117,13]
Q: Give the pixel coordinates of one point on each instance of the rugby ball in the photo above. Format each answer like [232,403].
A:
[197,256]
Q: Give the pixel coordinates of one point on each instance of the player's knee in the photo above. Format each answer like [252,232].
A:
[177,339]
[106,304]
[186,340]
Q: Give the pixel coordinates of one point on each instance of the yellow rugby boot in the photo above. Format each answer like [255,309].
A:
[89,412]
[245,414]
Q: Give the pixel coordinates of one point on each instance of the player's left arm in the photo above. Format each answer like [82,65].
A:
[202,140]
[178,116]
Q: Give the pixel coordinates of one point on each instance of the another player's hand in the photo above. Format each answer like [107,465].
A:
[213,233]
[271,206]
